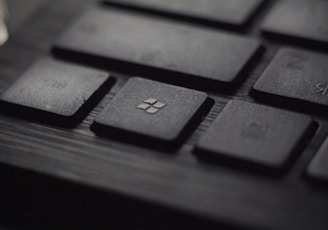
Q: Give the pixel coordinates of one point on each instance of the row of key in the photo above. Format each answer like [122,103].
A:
[163,115]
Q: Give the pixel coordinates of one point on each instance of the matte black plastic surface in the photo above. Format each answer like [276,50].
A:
[305,20]
[53,178]
[157,111]
[296,74]
[232,12]
[148,43]
[55,91]
[318,168]
[255,134]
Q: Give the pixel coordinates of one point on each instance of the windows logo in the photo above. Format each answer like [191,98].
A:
[151,105]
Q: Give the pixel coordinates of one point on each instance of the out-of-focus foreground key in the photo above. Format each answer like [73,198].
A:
[233,12]
[157,48]
[56,92]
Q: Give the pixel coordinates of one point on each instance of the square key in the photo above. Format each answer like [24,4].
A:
[256,135]
[56,92]
[296,75]
[304,20]
[152,113]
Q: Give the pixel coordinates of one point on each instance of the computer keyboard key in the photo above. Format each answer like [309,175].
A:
[298,75]
[254,136]
[157,48]
[318,168]
[233,12]
[150,113]
[305,20]
[56,92]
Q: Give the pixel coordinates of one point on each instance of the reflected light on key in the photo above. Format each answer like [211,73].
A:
[3,28]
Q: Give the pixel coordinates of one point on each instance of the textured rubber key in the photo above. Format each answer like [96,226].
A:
[298,75]
[56,92]
[152,113]
[318,168]
[305,20]
[152,46]
[254,135]
[233,12]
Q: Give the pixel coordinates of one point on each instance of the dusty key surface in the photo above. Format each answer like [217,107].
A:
[157,48]
[146,111]
[233,12]
[56,92]
[318,168]
[301,19]
[258,135]
[296,75]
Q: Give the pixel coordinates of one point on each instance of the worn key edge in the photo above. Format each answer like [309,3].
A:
[62,120]
[288,102]
[241,25]
[171,143]
[227,160]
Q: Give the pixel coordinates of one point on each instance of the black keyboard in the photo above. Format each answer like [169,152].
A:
[154,114]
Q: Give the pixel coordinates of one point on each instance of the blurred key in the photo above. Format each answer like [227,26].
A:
[3,17]
[318,168]
[157,48]
[21,11]
[232,12]
[305,20]
[256,135]
[295,75]
[56,92]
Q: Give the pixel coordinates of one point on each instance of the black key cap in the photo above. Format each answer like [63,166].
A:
[296,74]
[305,20]
[261,136]
[152,113]
[122,38]
[318,168]
[56,92]
[233,12]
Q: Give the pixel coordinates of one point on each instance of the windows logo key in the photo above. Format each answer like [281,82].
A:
[151,105]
